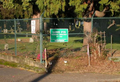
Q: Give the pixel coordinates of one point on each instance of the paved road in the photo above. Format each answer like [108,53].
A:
[17,75]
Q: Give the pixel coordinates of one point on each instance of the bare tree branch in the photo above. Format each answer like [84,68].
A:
[111,24]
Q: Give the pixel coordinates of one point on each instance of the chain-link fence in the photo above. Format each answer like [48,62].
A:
[6,35]
[22,36]
[16,37]
[107,29]
[54,39]
[111,27]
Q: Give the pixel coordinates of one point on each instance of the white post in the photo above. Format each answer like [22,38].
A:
[45,59]
[88,53]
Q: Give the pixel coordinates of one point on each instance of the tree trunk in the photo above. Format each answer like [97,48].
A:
[45,27]
[37,25]
[87,30]
[87,26]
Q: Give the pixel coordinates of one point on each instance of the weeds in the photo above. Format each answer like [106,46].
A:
[24,66]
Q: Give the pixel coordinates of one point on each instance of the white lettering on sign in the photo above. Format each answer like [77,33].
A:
[54,34]
[59,40]
[62,34]
[58,35]
[63,31]
[56,31]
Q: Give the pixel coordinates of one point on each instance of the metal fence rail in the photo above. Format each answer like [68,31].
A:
[16,35]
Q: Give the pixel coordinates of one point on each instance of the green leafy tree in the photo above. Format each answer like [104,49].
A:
[60,8]
[16,8]
[25,8]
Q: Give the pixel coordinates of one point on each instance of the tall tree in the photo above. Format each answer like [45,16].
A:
[60,8]
[24,8]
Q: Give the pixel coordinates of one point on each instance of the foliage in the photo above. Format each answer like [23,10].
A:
[79,6]
[50,7]
[16,8]
[6,63]
[114,6]
[23,66]
[58,8]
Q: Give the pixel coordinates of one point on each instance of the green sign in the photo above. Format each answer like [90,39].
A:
[58,35]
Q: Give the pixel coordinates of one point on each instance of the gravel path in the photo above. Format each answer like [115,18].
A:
[19,75]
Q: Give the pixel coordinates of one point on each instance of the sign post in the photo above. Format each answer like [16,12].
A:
[58,35]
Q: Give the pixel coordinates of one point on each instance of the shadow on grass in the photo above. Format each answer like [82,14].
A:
[12,48]
[79,40]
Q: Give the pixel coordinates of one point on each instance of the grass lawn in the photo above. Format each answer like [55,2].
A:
[24,46]
[74,42]
[115,42]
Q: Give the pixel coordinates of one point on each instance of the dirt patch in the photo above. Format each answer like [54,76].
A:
[79,63]
[76,64]
[8,41]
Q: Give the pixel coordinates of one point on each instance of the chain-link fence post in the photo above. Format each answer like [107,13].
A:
[41,38]
[92,22]
[15,36]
